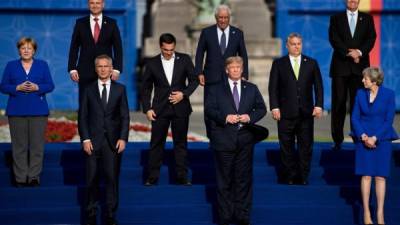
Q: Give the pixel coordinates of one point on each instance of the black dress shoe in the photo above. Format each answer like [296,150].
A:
[151,182]
[34,183]
[243,222]
[111,221]
[183,181]
[337,147]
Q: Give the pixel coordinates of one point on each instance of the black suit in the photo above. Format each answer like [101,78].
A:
[214,64]
[167,113]
[346,74]
[83,49]
[295,100]
[104,127]
[233,148]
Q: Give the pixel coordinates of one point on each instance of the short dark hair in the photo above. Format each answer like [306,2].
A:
[167,38]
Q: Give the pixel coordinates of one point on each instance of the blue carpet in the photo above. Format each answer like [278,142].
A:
[332,198]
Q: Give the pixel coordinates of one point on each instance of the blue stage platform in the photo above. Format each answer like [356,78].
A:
[331,198]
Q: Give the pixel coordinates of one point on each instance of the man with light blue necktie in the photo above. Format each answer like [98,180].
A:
[352,36]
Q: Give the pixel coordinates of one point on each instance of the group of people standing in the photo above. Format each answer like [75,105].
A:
[232,107]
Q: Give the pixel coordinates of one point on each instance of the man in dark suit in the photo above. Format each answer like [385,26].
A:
[295,80]
[168,72]
[103,127]
[218,42]
[352,36]
[231,105]
[93,35]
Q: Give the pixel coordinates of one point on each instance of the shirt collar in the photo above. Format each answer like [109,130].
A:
[350,12]
[231,82]
[100,16]
[108,82]
[295,57]
[162,57]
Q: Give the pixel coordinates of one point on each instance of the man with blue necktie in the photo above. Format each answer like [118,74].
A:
[352,36]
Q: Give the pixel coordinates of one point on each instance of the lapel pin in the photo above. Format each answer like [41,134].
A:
[304,59]
[233,32]
[360,18]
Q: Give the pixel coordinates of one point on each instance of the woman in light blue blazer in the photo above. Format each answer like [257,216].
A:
[372,130]
[26,81]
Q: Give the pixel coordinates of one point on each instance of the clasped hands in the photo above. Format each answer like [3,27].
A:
[236,118]
[355,54]
[370,142]
[27,86]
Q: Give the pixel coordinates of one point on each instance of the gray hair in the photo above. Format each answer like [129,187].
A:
[375,74]
[220,8]
[103,56]
[293,35]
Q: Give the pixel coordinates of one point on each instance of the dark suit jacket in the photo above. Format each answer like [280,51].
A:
[154,75]
[94,120]
[341,40]
[374,119]
[83,50]
[214,66]
[219,103]
[289,94]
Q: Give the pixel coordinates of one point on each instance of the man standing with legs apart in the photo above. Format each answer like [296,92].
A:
[352,36]
[103,123]
[93,35]
[168,72]
[231,105]
[294,81]
[218,42]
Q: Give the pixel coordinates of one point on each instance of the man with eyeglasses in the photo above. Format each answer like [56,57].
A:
[171,76]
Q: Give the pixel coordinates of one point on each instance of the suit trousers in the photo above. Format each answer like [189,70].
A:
[159,132]
[342,86]
[234,170]
[102,161]
[302,129]
[27,141]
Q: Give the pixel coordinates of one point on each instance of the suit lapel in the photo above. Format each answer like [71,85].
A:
[228,92]
[290,67]
[176,64]
[89,30]
[161,69]
[103,28]
[243,95]
[230,40]
[345,21]
[96,92]
[302,69]
[111,95]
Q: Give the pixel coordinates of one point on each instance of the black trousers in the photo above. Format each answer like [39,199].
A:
[302,129]
[159,132]
[103,160]
[342,86]
[234,170]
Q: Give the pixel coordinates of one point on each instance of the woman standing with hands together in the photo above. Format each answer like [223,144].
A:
[372,130]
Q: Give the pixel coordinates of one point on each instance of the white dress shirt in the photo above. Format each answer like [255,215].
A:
[226,31]
[238,85]
[100,85]
[92,22]
[168,66]
[292,58]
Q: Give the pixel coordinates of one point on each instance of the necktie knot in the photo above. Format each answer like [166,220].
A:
[235,83]
[96,19]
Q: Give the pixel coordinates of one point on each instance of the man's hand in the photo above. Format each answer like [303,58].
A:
[232,118]
[74,76]
[88,147]
[355,54]
[121,144]
[244,118]
[317,112]
[175,97]
[202,80]
[276,114]
[151,115]
[114,75]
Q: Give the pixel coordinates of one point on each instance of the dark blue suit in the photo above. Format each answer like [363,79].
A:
[233,148]
[374,119]
[214,69]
